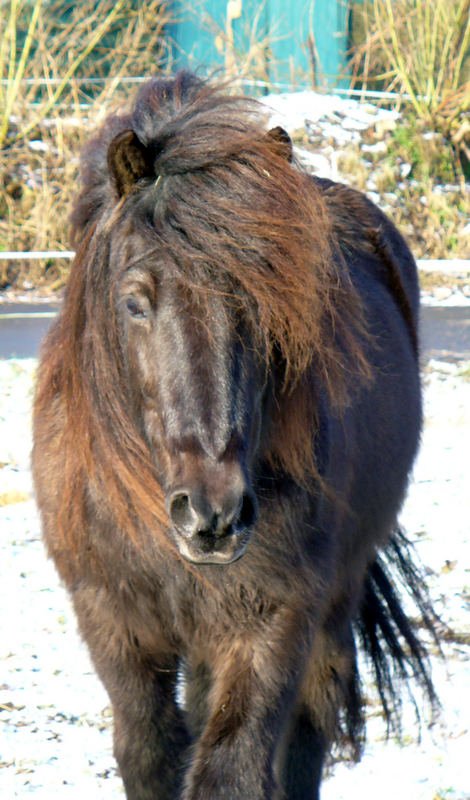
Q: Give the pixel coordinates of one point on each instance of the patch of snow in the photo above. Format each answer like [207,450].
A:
[450,266]
[318,163]
[38,146]
[341,116]
[405,169]
[379,148]
[449,297]
[373,196]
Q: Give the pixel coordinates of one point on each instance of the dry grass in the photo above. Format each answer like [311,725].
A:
[430,210]
[421,50]
[35,194]
[48,103]
[47,51]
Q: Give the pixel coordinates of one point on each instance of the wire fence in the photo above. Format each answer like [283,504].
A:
[262,85]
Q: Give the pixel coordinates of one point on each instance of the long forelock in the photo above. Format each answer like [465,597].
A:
[229,209]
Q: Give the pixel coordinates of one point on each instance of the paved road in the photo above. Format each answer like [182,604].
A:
[445,331]
[23,326]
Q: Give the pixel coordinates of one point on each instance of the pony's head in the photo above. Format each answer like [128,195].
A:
[205,310]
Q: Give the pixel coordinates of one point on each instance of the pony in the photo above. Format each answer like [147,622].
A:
[227,411]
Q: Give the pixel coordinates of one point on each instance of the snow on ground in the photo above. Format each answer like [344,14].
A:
[54,715]
[340,118]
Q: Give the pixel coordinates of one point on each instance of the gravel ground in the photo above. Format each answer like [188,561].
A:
[54,714]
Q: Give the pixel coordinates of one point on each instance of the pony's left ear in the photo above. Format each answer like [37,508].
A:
[282,142]
[127,161]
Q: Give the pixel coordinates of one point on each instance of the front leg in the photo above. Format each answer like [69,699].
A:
[150,736]
[250,702]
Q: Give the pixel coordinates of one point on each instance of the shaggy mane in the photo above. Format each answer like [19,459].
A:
[220,204]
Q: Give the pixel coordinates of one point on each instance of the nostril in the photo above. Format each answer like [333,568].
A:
[180,510]
[248,512]
[191,514]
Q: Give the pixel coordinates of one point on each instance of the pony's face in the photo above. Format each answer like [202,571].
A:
[198,385]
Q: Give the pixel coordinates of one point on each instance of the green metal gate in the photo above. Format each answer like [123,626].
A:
[291,42]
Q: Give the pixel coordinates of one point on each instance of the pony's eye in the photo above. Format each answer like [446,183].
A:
[135,309]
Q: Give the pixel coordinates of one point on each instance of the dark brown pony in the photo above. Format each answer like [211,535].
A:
[227,411]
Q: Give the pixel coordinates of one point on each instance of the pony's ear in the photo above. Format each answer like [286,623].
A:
[282,141]
[127,161]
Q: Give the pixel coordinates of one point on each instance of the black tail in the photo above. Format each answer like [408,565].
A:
[387,632]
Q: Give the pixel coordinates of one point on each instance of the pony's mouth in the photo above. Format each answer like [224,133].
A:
[208,548]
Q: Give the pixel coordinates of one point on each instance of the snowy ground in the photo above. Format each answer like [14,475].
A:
[54,715]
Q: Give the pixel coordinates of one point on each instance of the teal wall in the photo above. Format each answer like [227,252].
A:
[285,23]
[295,21]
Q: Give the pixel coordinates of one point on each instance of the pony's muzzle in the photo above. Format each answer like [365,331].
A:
[210,532]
